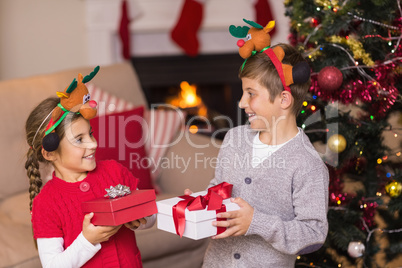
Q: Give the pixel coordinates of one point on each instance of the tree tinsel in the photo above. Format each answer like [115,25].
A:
[362,39]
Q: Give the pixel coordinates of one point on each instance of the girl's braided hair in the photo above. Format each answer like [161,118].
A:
[35,128]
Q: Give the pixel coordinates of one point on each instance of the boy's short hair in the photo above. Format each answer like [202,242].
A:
[261,68]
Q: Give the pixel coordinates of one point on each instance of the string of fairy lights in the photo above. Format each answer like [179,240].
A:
[356,92]
[396,131]
[358,53]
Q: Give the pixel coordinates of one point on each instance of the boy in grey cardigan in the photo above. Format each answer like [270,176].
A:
[279,180]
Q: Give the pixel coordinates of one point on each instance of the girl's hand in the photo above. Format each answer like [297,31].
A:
[97,234]
[135,224]
[187,192]
[237,222]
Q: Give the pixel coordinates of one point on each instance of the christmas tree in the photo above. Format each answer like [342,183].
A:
[354,50]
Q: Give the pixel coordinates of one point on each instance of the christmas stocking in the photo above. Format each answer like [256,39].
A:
[185,31]
[124,30]
[263,13]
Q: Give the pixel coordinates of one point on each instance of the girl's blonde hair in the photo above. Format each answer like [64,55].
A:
[35,128]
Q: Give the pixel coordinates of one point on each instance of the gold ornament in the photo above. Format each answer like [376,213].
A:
[337,143]
[400,116]
[393,188]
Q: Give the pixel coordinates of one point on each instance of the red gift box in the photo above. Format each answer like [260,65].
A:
[116,211]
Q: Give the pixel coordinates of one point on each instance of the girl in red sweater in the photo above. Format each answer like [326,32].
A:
[64,235]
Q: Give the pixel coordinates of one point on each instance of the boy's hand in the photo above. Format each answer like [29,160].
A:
[97,234]
[188,192]
[135,224]
[237,222]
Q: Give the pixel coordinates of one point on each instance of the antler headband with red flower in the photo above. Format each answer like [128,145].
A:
[75,98]
[258,40]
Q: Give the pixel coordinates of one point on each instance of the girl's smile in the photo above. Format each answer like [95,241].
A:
[91,156]
[76,153]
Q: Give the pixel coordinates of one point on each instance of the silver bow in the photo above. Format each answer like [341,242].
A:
[117,191]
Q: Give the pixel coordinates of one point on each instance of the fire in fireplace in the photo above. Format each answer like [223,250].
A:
[213,78]
[188,99]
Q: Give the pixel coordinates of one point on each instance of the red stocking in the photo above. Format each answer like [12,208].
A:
[124,30]
[263,13]
[185,31]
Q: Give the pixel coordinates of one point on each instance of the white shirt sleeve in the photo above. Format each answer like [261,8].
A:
[52,253]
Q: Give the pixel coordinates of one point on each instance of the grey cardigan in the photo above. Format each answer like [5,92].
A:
[289,194]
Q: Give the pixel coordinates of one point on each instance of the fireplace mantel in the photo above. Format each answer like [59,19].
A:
[152,21]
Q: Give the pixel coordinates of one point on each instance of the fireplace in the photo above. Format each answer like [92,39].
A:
[214,75]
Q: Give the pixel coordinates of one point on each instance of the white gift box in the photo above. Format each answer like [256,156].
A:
[198,222]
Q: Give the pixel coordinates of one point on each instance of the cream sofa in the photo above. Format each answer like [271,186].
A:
[18,97]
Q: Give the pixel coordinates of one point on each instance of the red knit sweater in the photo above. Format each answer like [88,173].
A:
[56,212]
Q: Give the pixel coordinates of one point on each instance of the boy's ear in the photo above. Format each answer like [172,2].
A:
[49,156]
[286,99]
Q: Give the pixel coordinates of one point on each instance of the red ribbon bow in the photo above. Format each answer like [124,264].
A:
[213,199]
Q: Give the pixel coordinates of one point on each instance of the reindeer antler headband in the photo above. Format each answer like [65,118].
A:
[75,98]
[258,40]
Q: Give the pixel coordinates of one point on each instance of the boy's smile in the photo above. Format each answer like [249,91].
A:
[273,120]
[255,101]
[250,116]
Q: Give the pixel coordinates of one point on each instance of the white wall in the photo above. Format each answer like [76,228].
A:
[42,36]
[214,36]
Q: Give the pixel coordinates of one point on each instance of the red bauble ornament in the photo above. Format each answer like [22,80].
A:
[330,78]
